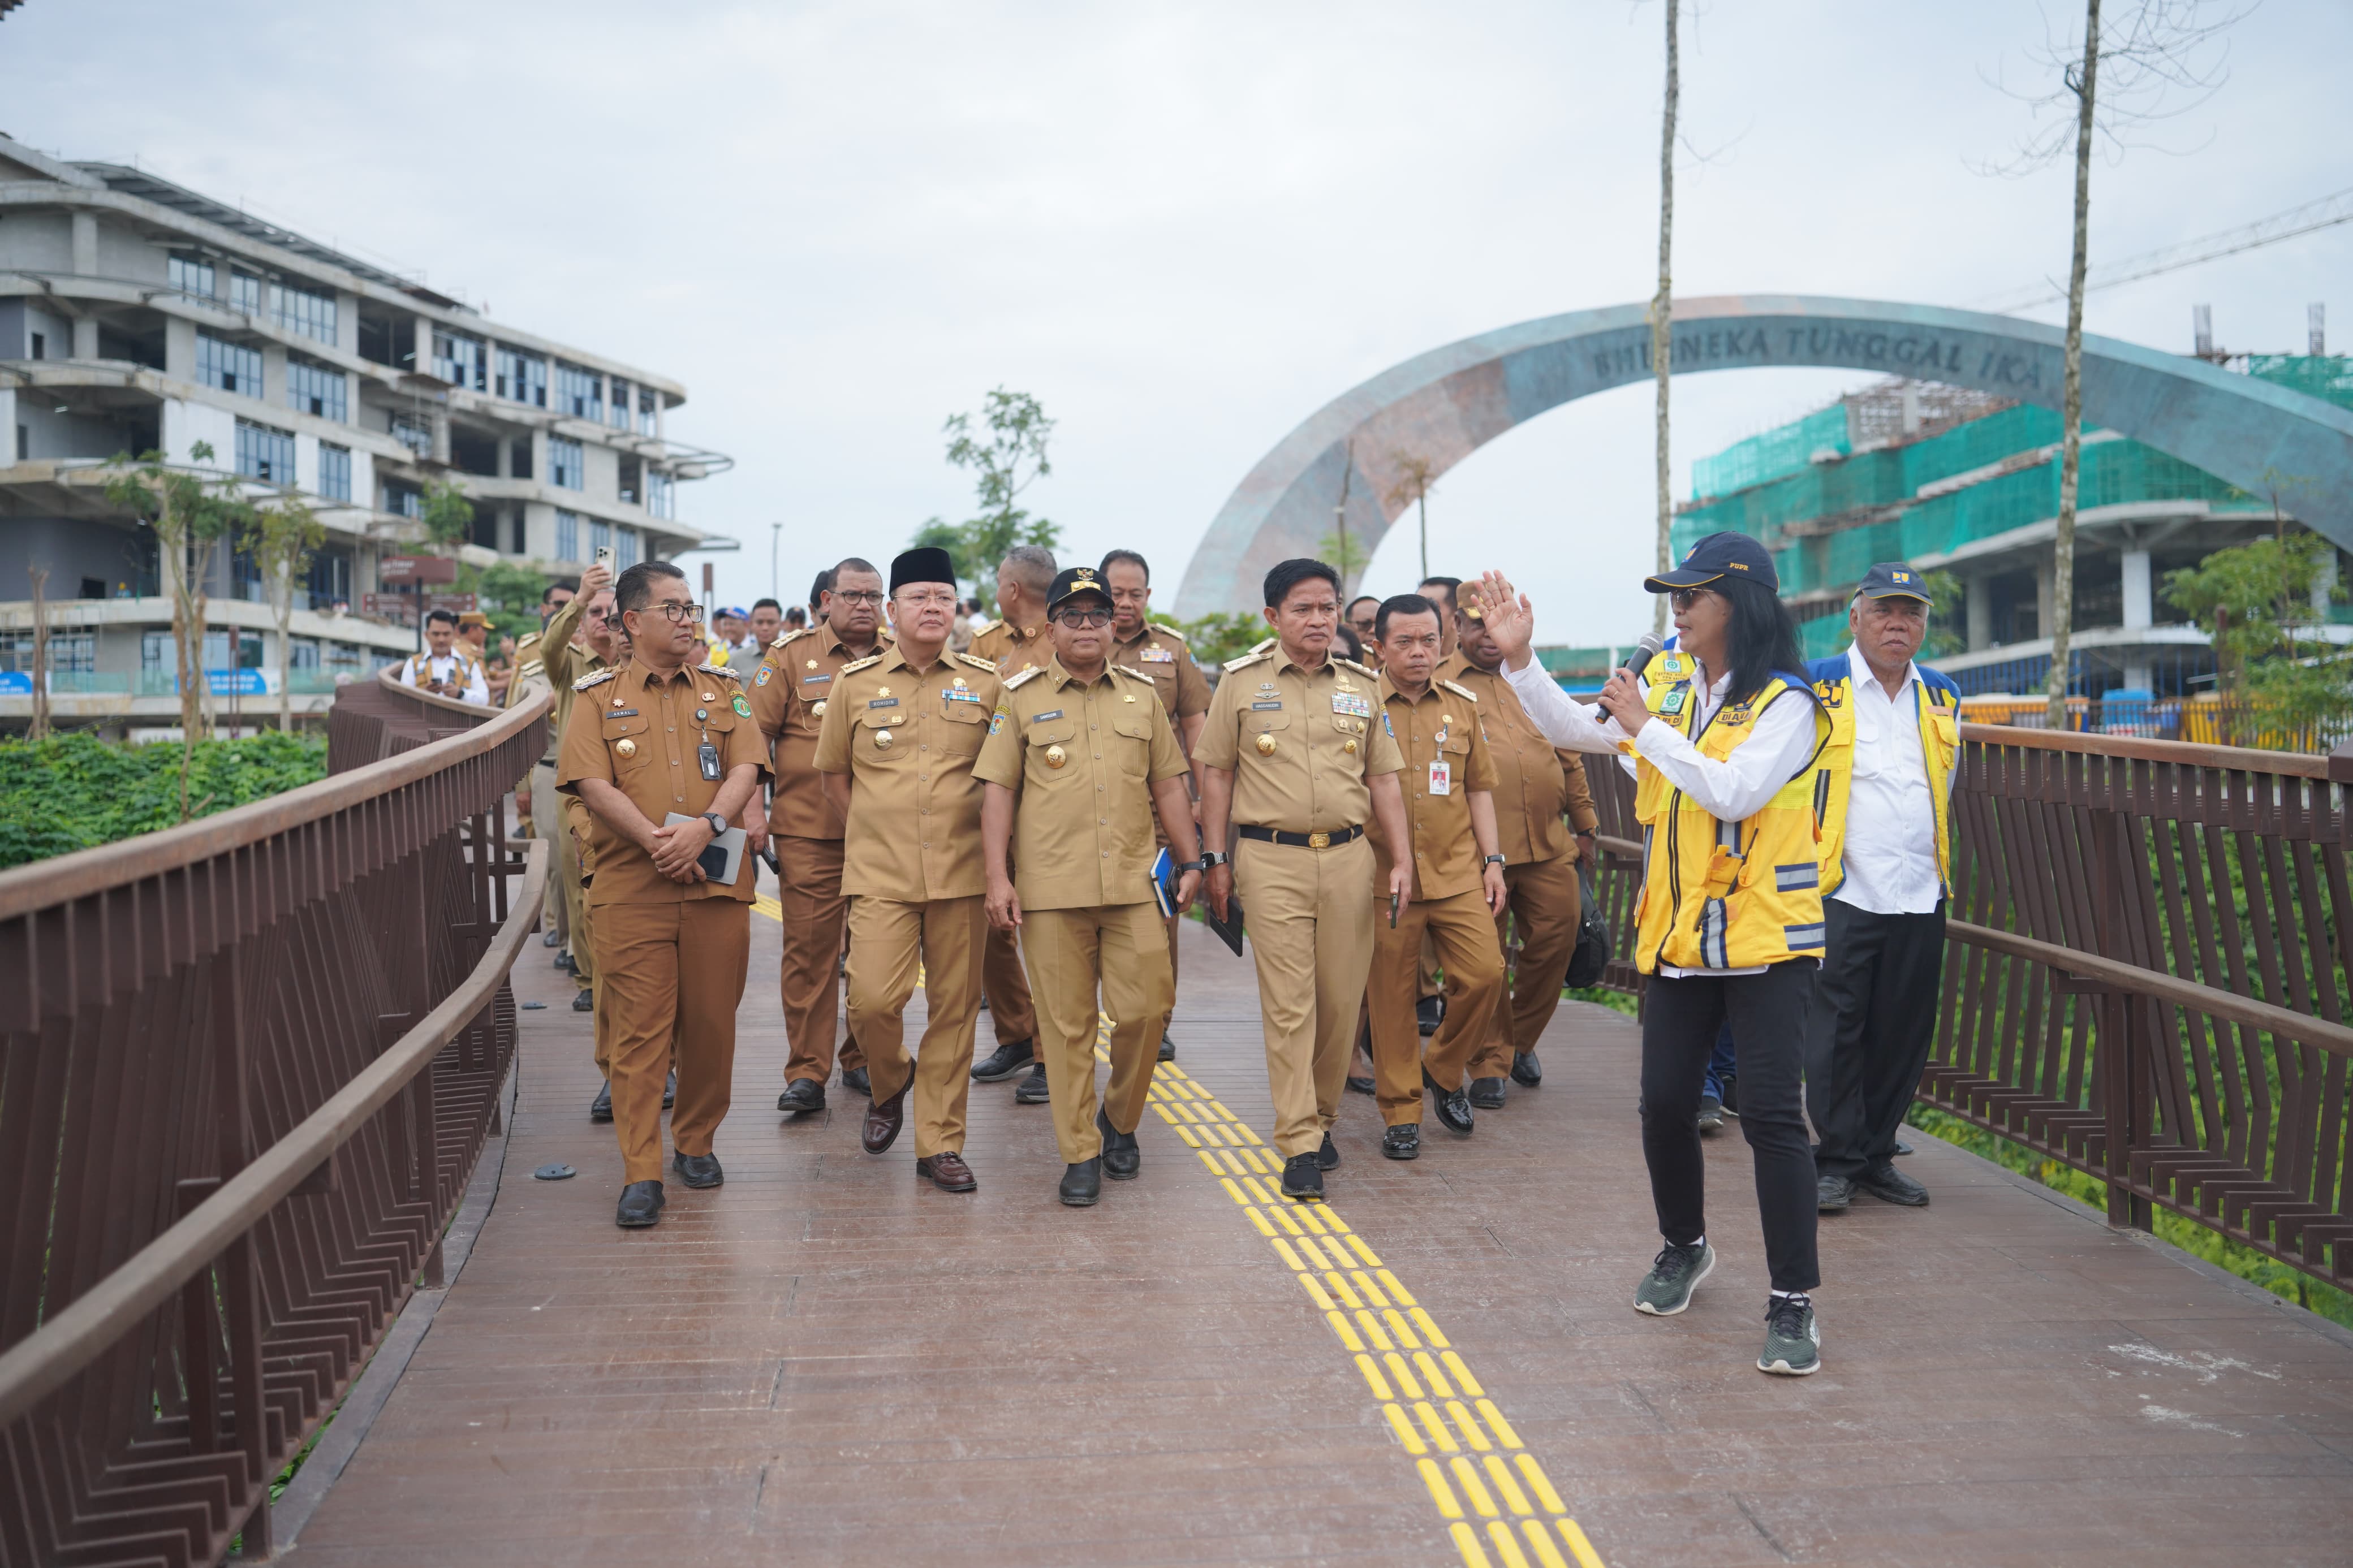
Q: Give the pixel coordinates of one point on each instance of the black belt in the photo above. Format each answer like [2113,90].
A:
[1300,841]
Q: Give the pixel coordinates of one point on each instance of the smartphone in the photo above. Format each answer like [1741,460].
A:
[1393,912]
[605,556]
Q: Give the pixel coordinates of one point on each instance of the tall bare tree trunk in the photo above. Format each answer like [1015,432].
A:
[282,596]
[1662,312]
[2071,441]
[40,727]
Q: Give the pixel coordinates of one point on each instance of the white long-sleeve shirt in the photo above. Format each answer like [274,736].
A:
[444,668]
[1890,846]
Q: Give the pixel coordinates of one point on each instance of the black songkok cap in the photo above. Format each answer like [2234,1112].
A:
[924,563]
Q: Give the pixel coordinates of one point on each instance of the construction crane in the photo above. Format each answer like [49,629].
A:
[2326,213]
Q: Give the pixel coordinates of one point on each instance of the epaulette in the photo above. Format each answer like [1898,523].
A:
[1171,632]
[1458,691]
[1011,681]
[977,662]
[1364,670]
[857,664]
[599,679]
[528,638]
[785,637]
[531,668]
[719,669]
[979,627]
[1250,657]
[1133,674]
[1266,645]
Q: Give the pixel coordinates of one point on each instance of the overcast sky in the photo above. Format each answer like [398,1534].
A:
[1183,227]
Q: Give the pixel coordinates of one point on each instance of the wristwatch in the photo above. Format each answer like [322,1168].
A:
[718,823]
[1494,860]
[1201,864]
[1215,857]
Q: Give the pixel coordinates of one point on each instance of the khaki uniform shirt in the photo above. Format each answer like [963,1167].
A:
[1011,649]
[1446,758]
[1082,759]
[790,695]
[907,738]
[1301,743]
[643,734]
[1161,654]
[1536,784]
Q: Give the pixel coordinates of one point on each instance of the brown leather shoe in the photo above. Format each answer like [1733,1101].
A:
[884,1117]
[946,1172]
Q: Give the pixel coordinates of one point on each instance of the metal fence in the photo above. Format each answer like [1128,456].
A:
[249,1064]
[2147,979]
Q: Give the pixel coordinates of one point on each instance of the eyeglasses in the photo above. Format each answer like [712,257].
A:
[1685,598]
[868,598]
[676,613]
[1076,619]
[915,601]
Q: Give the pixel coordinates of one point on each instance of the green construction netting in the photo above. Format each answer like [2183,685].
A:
[1776,452]
[2316,375]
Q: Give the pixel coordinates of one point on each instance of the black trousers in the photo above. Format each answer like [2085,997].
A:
[1681,1018]
[1874,1020]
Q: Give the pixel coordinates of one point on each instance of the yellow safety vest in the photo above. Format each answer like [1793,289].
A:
[1726,895]
[1938,704]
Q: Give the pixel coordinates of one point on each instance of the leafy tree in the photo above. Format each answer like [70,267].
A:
[1416,474]
[1007,458]
[509,595]
[1948,621]
[2255,600]
[281,537]
[74,791]
[447,515]
[192,511]
[1221,635]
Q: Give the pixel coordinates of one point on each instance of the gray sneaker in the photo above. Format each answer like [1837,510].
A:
[1666,1289]
[1793,1341]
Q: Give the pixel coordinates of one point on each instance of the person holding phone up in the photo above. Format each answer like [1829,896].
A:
[654,739]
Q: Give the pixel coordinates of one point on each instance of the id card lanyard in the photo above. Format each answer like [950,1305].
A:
[707,754]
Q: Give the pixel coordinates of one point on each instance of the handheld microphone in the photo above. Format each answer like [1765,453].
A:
[1639,660]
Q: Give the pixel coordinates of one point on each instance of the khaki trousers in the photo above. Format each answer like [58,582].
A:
[671,972]
[579,941]
[1464,935]
[888,940]
[547,824]
[1069,952]
[809,977]
[1546,903]
[1311,932]
[1011,1013]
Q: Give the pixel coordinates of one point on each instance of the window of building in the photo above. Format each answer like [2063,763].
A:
[301,653]
[568,536]
[189,275]
[314,389]
[232,367]
[24,443]
[522,378]
[40,345]
[520,532]
[344,658]
[632,541]
[564,463]
[334,471]
[414,432]
[632,481]
[244,293]
[245,577]
[621,418]
[69,653]
[646,410]
[580,392]
[303,310]
[406,500]
[519,458]
[156,652]
[330,579]
[600,537]
[660,493]
[265,453]
[459,361]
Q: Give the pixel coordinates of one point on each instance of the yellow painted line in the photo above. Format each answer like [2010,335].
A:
[1308,1249]
[1462,1373]
[1284,1248]
[1233,1190]
[1354,1240]
[1307,1214]
[1406,1436]
[1404,1375]
[1470,1425]
[1340,1288]
[1191,1141]
[770,908]
[1186,1112]
[1373,1332]
[1502,1428]
[1533,1475]
[1428,1370]
[1205,1159]
[1248,1136]
[1288,1223]
[1372,1373]
[1258,1190]
[1232,1164]
[1428,1330]
[1507,1545]
[1466,1541]
[1339,1323]
[1389,1282]
[1578,1547]
[1251,1158]
[1546,1552]
[1473,1487]
[1436,1428]
[1165,1114]
[1502,1481]
[1315,1293]
[1259,1220]
[1332,1217]
[1364,1283]
[1440,1492]
[1396,1327]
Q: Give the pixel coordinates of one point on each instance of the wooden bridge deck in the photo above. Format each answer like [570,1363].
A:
[826,1362]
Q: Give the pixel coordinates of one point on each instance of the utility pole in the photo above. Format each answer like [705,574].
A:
[776,538]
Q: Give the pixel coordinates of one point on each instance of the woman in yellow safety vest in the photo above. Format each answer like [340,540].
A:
[1726,742]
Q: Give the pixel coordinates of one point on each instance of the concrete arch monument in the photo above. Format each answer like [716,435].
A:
[1447,402]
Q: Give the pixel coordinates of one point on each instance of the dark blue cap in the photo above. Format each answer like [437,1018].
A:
[1072,581]
[1720,556]
[1893,580]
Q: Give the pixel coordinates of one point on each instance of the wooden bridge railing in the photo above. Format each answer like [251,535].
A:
[246,1067]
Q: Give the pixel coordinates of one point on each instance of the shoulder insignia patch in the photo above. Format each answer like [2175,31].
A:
[532,667]
[719,669]
[1363,669]
[1253,656]
[1261,647]
[1173,635]
[977,662]
[1135,674]
[1031,673]
[599,679]
[979,627]
[785,638]
[856,664]
[1459,690]
[529,639]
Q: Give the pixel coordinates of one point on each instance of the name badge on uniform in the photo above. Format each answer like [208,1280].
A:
[708,756]
[1441,778]
[622,713]
[1267,707]
[1673,702]
[1042,718]
[1356,704]
[815,679]
[1159,656]
[882,702]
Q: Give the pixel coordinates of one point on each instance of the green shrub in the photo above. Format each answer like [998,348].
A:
[72,791]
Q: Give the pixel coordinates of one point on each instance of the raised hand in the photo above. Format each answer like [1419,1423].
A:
[1511,620]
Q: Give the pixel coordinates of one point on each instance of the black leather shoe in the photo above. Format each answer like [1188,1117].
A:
[1327,1158]
[855,1080]
[1301,1180]
[1004,1061]
[698,1169]
[642,1205]
[1083,1182]
[1033,1090]
[884,1117]
[564,963]
[1402,1143]
[1453,1106]
[1902,1147]
[584,1001]
[1168,1048]
[1487,1093]
[601,1108]
[1121,1155]
[1527,1071]
[552,938]
[1890,1186]
[1360,1086]
[801,1096]
[1428,1013]
[1832,1193]
[669,1090]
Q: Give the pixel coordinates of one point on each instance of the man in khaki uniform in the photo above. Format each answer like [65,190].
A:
[655,739]
[585,619]
[790,697]
[1013,643]
[1295,758]
[1083,752]
[1457,882]
[1159,653]
[1537,786]
[897,744]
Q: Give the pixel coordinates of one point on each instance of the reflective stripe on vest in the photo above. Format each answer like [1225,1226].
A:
[1938,713]
[1716,894]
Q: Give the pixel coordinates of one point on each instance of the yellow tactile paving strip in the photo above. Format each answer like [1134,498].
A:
[1482,1479]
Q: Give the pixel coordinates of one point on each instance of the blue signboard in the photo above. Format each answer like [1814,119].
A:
[15,683]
